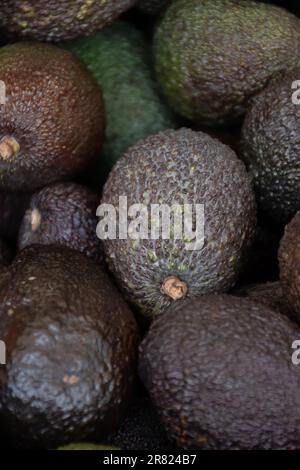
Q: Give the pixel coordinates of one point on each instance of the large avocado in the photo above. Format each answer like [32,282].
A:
[219,369]
[270,146]
[180,167]
[212,56]
[52,122]
[120,59]
[71,349]
[57,20]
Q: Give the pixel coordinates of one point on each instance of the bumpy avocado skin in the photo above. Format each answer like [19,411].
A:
[289,263]
[219,370]
[119,58]
[211,57]
[71,349]
[179,167]
[270,147]
[57,20]
[63,214]
[49,93]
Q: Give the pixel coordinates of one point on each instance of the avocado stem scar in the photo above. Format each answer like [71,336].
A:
[35,219]
[174,287]
[8,147]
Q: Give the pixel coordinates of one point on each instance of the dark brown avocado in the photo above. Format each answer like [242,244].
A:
[63,214]
[71,349]
[52,122]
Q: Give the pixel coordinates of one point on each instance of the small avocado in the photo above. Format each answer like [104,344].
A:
[219,370]
[120,59]
[12,210]
[63,214]
[153,7]
[141,429]
[177,172]
[289,263]
[71,349]
[212,56]
[86,446]
[52,122]
[270,146]
[57,20]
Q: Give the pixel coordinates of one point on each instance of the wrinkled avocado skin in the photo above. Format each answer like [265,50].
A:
[219,369]
[71,349]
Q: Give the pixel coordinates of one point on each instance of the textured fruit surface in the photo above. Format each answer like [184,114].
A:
[219,371]
[57,20]
[181,167]
[289,262]
[63,214]
[212,56]
[270,147]
[71,349]
[53,120]
[120,59]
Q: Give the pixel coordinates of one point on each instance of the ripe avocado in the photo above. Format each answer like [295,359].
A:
[71,349]
[289,263]
[63,214]
[212,56]
[270,147]
[120,60]
[180,167]
[53,120]
[57,20]
[12,210]
[219,370]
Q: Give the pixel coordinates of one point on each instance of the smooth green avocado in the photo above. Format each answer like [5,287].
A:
[219,370]
[179,168]
[119,58]
[212,56]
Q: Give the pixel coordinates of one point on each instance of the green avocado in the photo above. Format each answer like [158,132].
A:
[174,172]
[212,56]
[71,344]
[119,58]
[63,214]
[219,370]
[45,135]
[58,20]
[270,146]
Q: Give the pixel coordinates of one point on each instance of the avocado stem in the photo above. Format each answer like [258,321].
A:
[174,287]
[8,147]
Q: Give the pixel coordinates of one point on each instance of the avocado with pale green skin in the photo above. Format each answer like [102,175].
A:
[58,20]
[63,214]
[219,370]
[71,346]
[45,135]
[120,60]
[212,56]
[270,146]
[180,167]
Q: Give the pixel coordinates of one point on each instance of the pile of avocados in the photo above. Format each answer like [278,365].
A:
[150,225]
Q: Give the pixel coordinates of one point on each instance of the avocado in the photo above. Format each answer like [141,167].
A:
[180,167]
[141,429]
[270,147]
[269,294]
[119,58]
[12,210]
[86,446]
[53,120]
[71,349]
[289,253]
[63,214]
[219,370]
[212,56]
[57,20]
[153,7]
